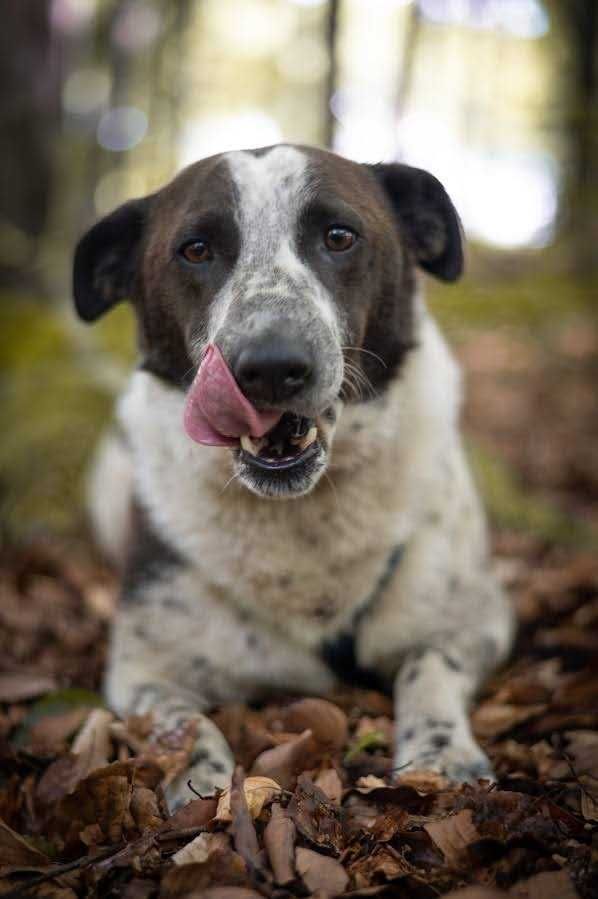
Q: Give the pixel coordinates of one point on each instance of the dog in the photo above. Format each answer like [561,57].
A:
[299,506]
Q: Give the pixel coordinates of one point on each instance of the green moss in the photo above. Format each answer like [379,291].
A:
[115,334]
[539,303]
[28,331]
[52,413]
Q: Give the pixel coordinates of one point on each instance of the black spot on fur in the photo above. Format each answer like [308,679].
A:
[150,557]
[451,662]
[171,602]
[412,675]
[200,756]
[339,654]
[433,723]
[325,609]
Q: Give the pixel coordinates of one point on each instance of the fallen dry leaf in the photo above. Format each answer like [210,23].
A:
[279,840]
[422,781]
[453,835]
[477,892]
[17,686]
[196,813]
[324,719]
[546,885]
[384,862]
[145,809]
[102,798]
[52,730]
[222,866]
[370,782]
[230,893]
[93,740]
[14,850]
[330,784]
[258,791]
[491,719]
[282,763]
[320,872]
[242,827]
[315,817]
[198,849]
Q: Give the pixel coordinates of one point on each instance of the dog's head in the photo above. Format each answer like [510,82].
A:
[296,267]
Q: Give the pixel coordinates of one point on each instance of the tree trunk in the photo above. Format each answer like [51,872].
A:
[29,104]
[579,20]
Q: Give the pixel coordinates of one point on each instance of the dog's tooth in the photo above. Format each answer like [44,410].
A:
[309,438]
[248,445]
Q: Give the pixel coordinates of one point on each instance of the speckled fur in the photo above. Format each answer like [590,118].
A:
[263,584]
[249,590]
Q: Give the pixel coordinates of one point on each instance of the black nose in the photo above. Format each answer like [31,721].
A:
[272,369]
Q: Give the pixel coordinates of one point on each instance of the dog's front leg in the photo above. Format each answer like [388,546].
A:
[211,762]
[432,693]
[150,671]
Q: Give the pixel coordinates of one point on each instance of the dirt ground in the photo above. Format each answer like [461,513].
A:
[315,809]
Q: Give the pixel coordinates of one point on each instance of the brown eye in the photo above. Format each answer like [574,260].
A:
[339,239]
[197,251]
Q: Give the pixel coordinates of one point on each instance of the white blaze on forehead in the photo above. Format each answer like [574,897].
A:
[271,189]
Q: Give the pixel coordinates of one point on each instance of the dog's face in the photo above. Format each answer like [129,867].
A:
[298,265]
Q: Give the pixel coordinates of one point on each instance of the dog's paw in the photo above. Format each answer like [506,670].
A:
[200,780]
[211,768]
[457,757]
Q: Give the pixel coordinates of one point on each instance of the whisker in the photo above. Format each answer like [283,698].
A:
[355,388]
[184,375]
[230,480]
[334,490]
[360,349]
[365,381]
[359,377]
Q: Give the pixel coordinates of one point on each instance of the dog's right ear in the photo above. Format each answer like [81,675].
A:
[106,260]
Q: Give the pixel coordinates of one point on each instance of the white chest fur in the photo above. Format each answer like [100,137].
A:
[301,565]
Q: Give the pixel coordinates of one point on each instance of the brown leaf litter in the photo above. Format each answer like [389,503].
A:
[320,811]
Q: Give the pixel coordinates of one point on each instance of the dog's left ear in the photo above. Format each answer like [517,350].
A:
[427,217]
[106,260]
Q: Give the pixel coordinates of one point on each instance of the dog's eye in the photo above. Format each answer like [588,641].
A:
[196,251]
[339,239]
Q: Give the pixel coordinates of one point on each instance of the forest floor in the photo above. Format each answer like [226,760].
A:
[81,805]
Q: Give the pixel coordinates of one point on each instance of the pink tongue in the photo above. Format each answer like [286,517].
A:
[216,412]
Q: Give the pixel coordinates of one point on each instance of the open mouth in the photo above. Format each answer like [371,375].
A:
[289,444]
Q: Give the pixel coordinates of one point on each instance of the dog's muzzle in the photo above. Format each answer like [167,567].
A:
[279,451]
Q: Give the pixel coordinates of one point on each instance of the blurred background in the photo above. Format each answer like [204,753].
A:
[102,100]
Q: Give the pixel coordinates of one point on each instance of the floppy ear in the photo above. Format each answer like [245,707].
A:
[106,260]
[428,218]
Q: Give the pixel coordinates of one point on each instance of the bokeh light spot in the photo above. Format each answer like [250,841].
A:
[122,128]
[86,90]
[137,26]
